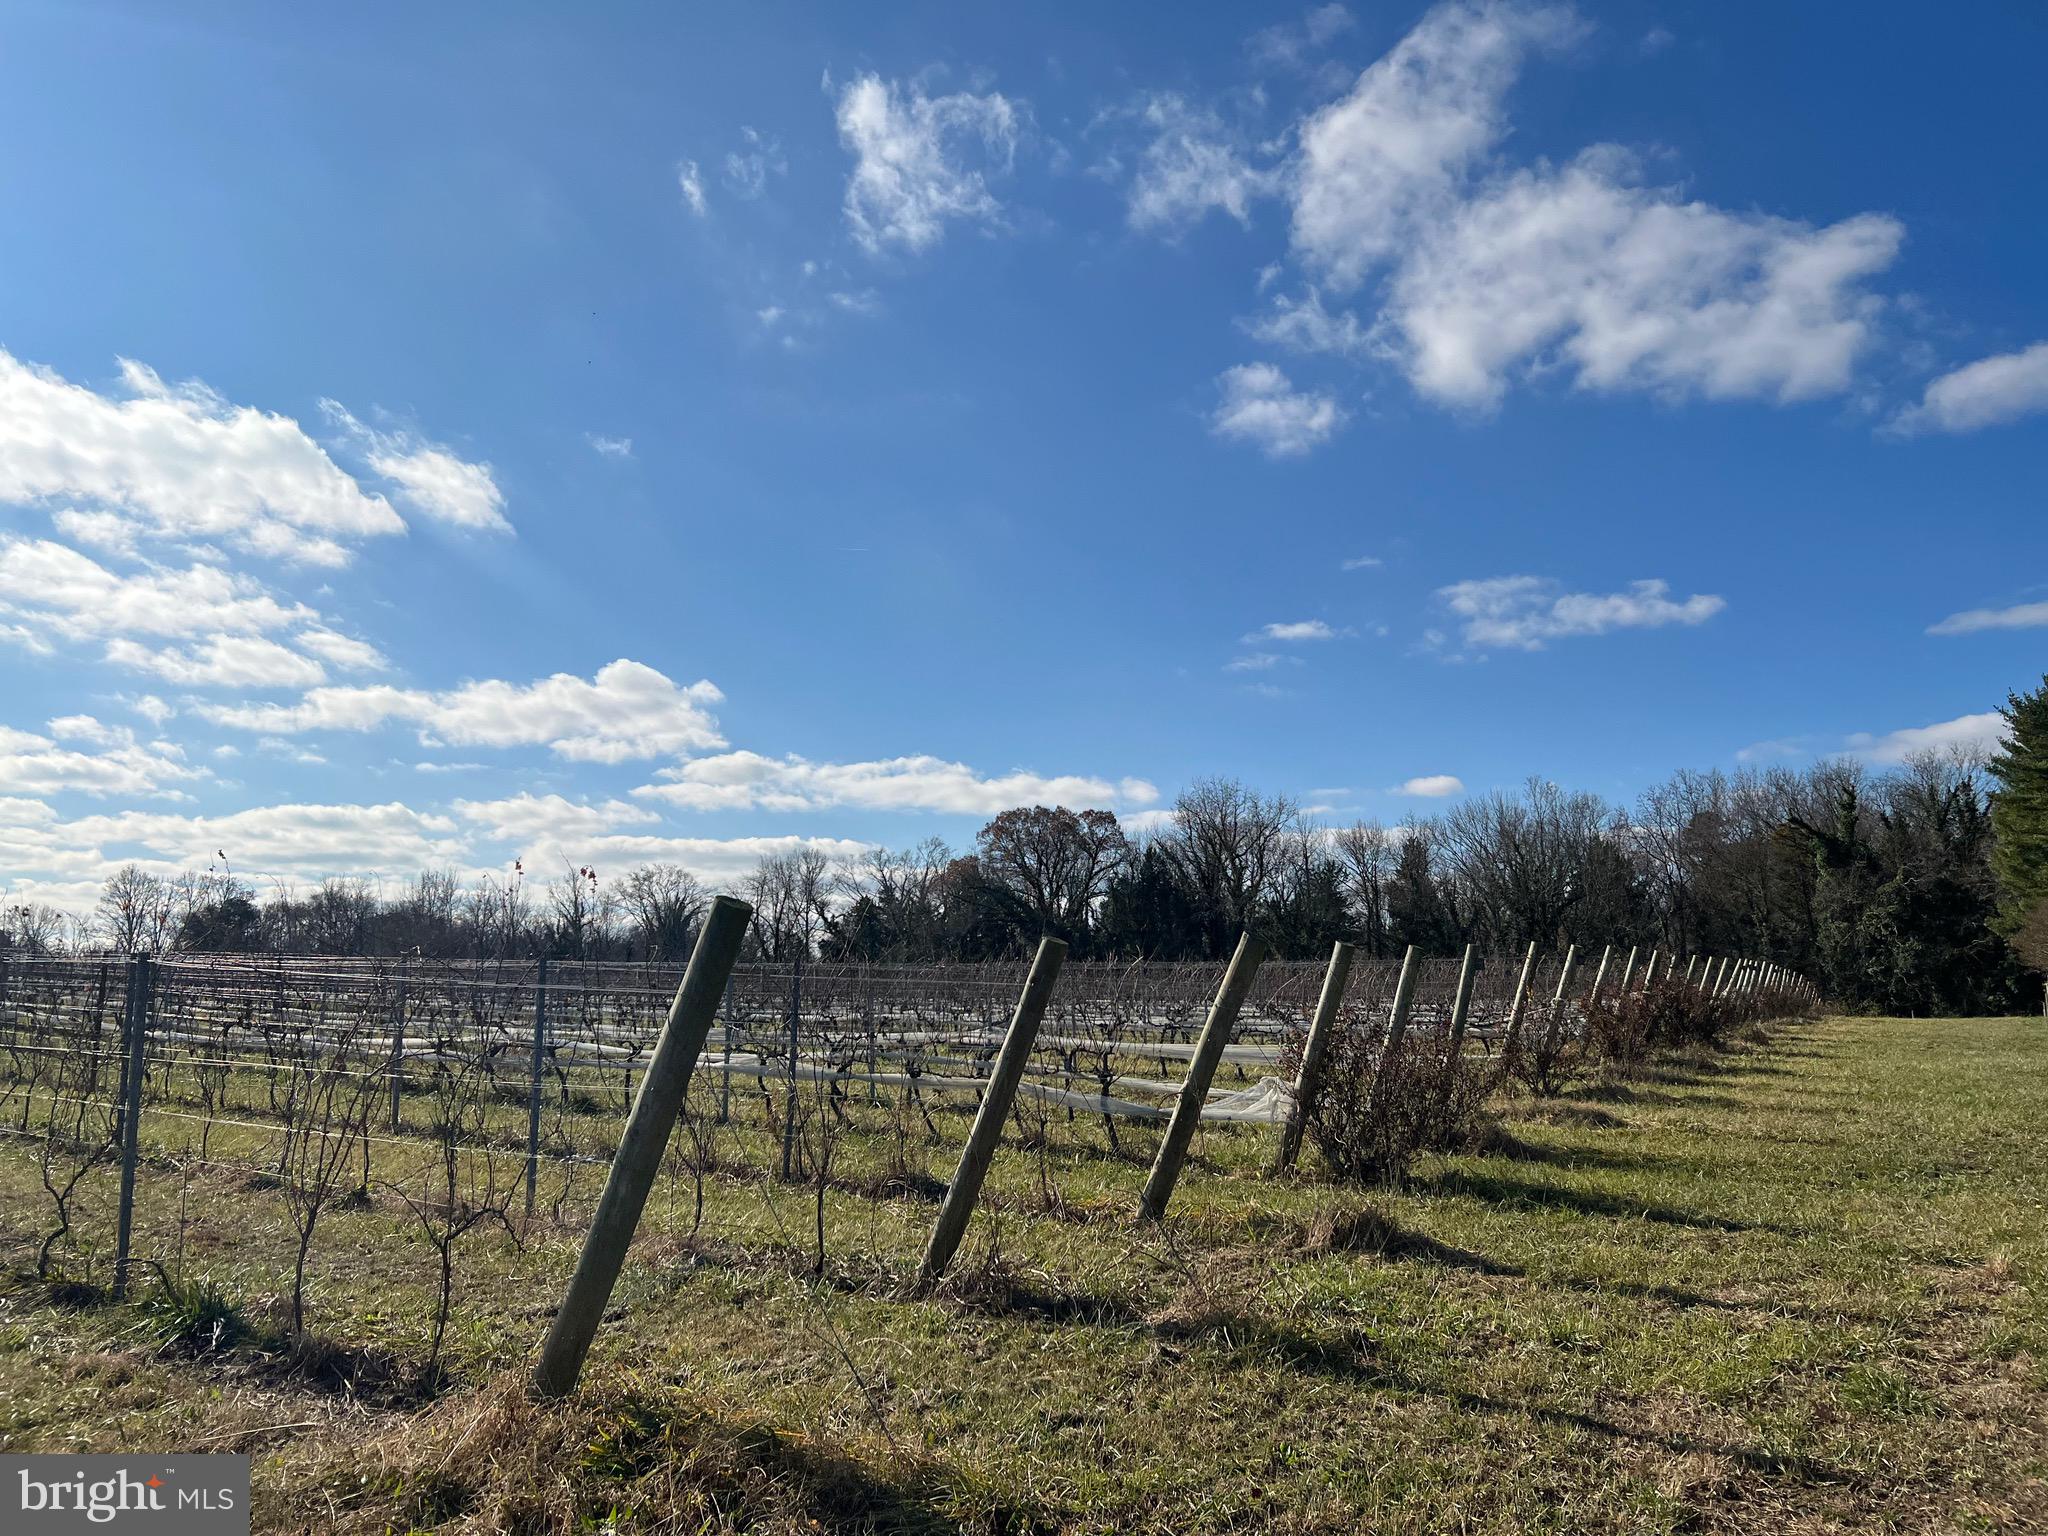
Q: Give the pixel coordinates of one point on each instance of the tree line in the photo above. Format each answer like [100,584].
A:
[1920,889]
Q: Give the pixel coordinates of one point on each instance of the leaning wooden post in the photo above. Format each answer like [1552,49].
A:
[1565,978]
[663,1087]
[995,1108]
[1628,971]
[1308,1075]
[1520,1006]
[136,1018]
[1194,1088]
[1691,965]
[1397,1028]
[1461,1010]
[1599,979]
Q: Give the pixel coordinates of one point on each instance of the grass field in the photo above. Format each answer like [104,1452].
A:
[1798,1286]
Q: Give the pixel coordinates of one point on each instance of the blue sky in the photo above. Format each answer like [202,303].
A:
[444,434]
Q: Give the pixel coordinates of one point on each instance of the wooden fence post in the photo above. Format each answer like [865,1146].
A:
[1520,1006]
[1461,1010]
[136,1019]
[663,1087]
[1599,979]
[1557,1002]
[980,1150]
[398,1045]
[1628,971]
[1397,1029]
[540,1045]
[1194,1088]
[1308,1076]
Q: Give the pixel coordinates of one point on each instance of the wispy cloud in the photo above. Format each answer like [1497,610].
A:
[1294,632]
[1973,620]
[921,161]
[1526,612]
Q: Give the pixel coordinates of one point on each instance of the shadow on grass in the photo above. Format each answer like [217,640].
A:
[1527,1194]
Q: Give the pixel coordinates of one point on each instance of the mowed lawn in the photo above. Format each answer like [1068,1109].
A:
[1793,1286]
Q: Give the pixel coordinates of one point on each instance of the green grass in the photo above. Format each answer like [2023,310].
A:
[1797,1287]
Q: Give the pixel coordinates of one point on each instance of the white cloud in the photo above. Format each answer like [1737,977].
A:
[747,169]
[180,462]
[911,152]
[1524,612]
[1388,155]
[691,183]
[122,765]
[430,478]
[1628,287]
[109,531]
[1294,631]
[1305,325]
[865,302]
[343,651]
[1258,661]
[1968,733]
[1487,275]
[748,780]
[1260,406]
[222,661]
[527,817]
[1986,393]
[1363,563]
[1973,620]
[1289,44]
[628,710]
[610,447]
[54,586]
[1432,786]
[1191,165]
[718,862]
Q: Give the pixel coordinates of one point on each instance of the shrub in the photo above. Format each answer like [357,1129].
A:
[1626,1027]
[1374,1109]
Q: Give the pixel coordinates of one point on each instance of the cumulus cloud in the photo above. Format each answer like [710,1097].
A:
[1629,287]
[750,781]
[222,661]
[527,817]
[610,447]
[1986,393]
[178,461]
[1388,156]
[339,650]
[1965,733]
[1432,786]
[54,587]
[1262,407]
[919,160]
[1525,612]
[1975,620]
[628,710]
[431,479]
[1422,245]
[81,754]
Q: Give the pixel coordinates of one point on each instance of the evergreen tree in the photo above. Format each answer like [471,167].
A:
[2019,809]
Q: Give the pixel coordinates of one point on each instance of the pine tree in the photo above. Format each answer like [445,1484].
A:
[2019,809]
